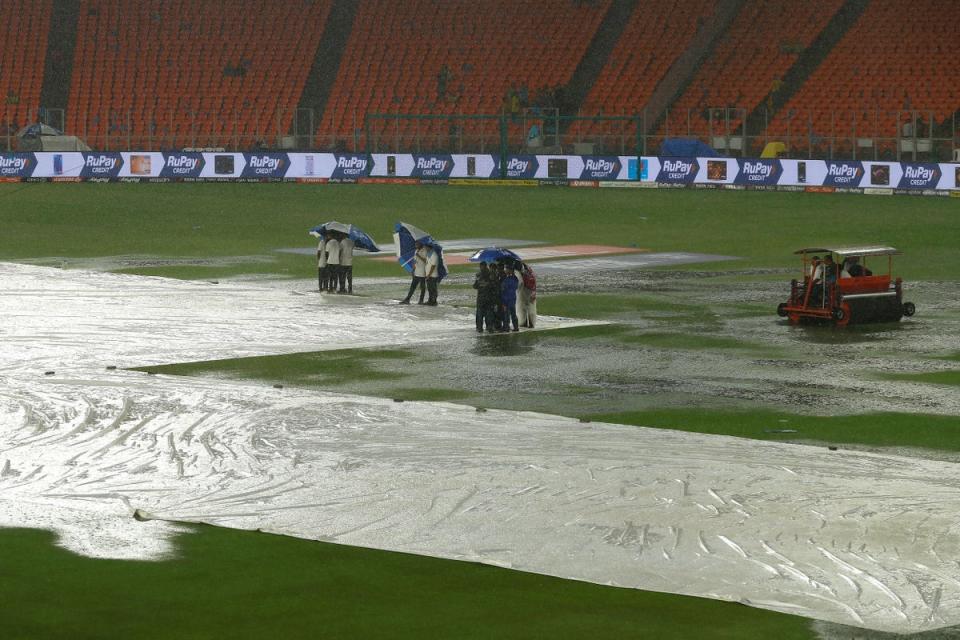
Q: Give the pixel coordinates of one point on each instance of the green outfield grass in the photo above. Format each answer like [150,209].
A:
[224,220]
[228,583]
[238,584]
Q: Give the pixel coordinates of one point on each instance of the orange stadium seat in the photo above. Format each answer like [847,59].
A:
[655,35]
[24,25]
[140,64]
[896,57]
[757,50]
[397,50]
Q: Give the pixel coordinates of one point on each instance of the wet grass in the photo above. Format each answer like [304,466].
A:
[609,306]
[922,431]
[933,377]
[74,220]
[326,369]
[688,341]
[239,584]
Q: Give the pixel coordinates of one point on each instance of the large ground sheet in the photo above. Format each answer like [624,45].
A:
[852,537]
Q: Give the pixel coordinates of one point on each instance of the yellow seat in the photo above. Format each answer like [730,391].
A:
[773,150]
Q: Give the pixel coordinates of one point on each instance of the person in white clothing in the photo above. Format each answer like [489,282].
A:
[419,272]
[322,271]
[346,264]
[432,274]
[527,297]
[333,263]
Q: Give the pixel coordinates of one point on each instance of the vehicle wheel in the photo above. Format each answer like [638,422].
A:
[782,309]
[909,309]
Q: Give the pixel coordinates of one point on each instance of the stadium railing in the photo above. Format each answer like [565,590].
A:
[852,134]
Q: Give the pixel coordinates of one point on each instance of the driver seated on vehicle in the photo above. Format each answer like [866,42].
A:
[814,271]
[815,281]
[855,269]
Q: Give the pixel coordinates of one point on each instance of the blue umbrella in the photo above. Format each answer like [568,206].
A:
[355,233]
[405,238]
[494,254]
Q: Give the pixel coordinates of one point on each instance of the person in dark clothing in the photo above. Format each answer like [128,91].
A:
[508,301]
[419,273]
[487,293]
[497,275]
[855,268]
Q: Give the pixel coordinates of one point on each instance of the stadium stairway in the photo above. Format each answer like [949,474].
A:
[684,68]
[597,53]
[326,62]
[58,66]
[808,62]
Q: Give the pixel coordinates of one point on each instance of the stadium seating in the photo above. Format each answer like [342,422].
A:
[180,72]
[174,73]
[655,36]
[897,57]
[759,47]
[24,25]
[397,50]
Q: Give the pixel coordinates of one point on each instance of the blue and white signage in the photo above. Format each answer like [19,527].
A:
[678,170]
[759,172]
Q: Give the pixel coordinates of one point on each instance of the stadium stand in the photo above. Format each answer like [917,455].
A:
[655,35]
[748,64]
[897,57]
[24,25]
[176,73]
[179,72]
[398,51]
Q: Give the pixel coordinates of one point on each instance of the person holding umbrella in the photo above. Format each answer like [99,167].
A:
[487,292]
[347,237]
[333,262]
[419,272]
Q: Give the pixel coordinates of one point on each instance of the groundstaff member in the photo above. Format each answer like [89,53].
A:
[322,272]
[346,264]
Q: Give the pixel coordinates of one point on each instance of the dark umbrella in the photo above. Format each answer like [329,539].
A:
[494,254]
[405,237]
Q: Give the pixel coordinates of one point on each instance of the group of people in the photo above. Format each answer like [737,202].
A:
[503,298]
[335,263]
[827,271]
[426,272]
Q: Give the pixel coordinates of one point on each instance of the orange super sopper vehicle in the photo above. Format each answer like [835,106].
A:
[841,289]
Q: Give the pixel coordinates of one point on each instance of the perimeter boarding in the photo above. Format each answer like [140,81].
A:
[506,296]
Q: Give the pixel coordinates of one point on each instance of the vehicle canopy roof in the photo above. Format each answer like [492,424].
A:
[843,252]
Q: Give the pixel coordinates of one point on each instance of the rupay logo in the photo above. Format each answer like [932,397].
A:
[182,162]
[758,169]
[101,162]
[17,164]
[599,165]
[842,171]
[518,165]
[677,166]
[921,173]
[431,164]
[264,162]
[351,163]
